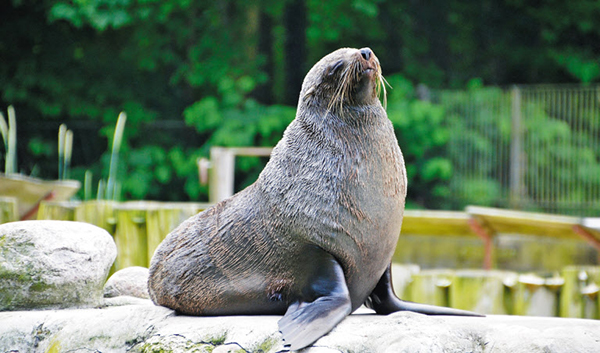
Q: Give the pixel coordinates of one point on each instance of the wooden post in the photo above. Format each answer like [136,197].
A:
[162,219]
[516,150]
[488,242]
[480,291]
[131,235]
[221,174]
[536,296]
[58,211]
[431,287]
[9,211]
[576,298]
[99,213]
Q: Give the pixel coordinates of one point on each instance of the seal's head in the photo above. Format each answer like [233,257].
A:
[345,78]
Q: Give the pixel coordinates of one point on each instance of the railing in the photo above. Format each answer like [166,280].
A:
[527,148]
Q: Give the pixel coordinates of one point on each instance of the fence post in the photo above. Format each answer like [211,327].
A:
[221,174]
[516,148]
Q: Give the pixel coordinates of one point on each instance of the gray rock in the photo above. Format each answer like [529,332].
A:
[53,264]
[149,328]
[125,300]
[131,281]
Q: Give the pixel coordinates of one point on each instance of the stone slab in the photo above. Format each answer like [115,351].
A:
[143,327]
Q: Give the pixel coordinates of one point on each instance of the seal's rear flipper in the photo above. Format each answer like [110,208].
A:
[325,302]
[384,301]
[305,323]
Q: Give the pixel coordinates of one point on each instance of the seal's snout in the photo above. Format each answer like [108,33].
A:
[366,53]
[368,61]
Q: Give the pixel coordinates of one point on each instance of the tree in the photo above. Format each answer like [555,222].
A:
[191,74]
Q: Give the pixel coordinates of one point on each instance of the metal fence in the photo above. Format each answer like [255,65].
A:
[528,147]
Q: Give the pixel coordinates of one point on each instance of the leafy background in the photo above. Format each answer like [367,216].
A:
[195,74]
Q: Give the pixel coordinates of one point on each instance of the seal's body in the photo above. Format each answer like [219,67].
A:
[313,237]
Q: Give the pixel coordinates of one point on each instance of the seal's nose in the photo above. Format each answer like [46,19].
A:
[366,53]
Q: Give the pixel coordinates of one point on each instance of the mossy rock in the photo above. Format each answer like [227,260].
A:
[53,264]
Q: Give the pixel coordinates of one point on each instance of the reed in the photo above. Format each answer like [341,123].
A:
[101,193]
[87,185]
[4,131]
[62,131]
[9,136]
[68,154]
[112,189]
[65,149]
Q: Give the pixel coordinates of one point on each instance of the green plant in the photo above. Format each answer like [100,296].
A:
[111,189]
[87,185]
[422,136]
[9,136]
[65,150]
[112,185]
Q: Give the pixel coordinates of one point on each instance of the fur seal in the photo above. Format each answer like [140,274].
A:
[313,237]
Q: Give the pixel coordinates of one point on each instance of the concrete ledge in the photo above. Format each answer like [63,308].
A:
[143,327]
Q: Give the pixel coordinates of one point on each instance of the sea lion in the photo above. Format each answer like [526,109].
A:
[313,237]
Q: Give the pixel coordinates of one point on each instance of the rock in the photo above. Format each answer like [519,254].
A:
[125,300]
[53,264]
[131,281]
[149,328]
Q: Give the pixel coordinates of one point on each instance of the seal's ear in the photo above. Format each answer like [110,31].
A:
[325,302]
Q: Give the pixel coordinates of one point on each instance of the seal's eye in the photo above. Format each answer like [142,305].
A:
[332,69]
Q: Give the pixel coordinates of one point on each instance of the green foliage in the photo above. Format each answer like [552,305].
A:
[570,164]
[480,119]
[196,74]
[559,160]
[423,138]
[236,120]
[582,65]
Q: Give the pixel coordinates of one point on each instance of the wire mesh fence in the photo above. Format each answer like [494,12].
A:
[531,148]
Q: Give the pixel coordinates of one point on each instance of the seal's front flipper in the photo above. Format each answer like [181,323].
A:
[324,302]
[384,301]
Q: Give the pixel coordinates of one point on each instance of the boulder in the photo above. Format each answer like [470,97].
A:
[131,281]
[148,328]
[53,264]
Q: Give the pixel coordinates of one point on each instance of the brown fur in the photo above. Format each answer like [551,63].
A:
[336,181]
